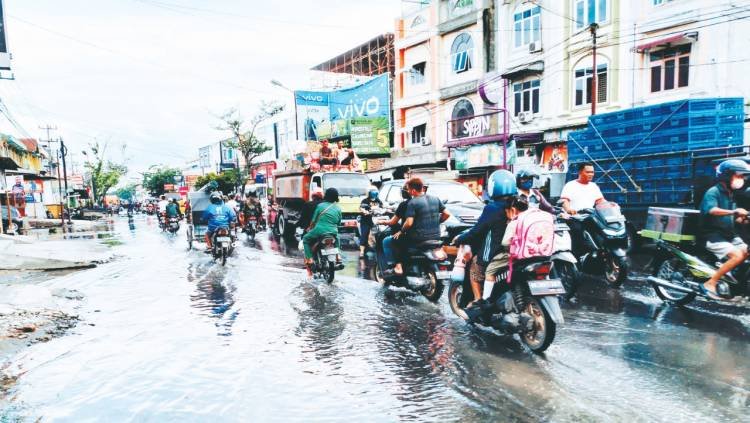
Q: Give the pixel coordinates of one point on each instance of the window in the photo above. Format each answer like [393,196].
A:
[669,68]
[418,133]
[527,26]
[460,7]
[462,111]
[660,2]
[590,11]
[461,52]
[583,79]
[416,74]
[526,97]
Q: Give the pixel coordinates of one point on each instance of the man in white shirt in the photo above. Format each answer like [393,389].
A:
[162,207]
[581,193]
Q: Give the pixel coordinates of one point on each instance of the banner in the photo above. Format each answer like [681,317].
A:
[4,54]
[554,159]
[362,112]
[483,155]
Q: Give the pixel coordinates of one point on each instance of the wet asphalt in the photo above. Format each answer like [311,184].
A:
[166,334]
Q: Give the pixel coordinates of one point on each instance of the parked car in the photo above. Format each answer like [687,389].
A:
[463,205]
[15,218]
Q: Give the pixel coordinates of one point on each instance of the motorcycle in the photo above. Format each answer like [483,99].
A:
[376,213]
[222,244]
[564,262]
[605,243]
[527,306]
[678,274]
[325,253]
[173,225]
[426,266]
[251,227]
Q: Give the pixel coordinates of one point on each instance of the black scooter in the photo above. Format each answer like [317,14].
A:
[605,243]
[426,266]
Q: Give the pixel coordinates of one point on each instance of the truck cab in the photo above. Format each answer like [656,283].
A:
[292,190]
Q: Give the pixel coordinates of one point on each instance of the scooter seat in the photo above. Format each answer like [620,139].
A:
[424,246]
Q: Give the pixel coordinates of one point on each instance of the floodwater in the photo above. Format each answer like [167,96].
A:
[167,335]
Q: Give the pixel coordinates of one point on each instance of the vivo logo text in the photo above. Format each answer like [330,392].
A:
[368,107]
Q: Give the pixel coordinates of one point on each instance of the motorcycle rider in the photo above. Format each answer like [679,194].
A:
[365,218]
[424,214]
[218,215]
[316,197]
[325,221]
[173,209]
[486,236]
[577,195]
[718,217]
[162,207]
[525,184]
[252,207]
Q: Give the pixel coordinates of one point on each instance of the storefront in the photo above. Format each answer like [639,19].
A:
[478,145]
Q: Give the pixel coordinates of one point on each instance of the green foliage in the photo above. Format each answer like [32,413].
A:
[155,179]
[226,180]
[126,192]
[104,174]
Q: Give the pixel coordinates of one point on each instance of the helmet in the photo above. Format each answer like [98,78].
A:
[372,193]
[527,174]
[216,198]
[317,192]
[728,168]
[252,194]
[501,184]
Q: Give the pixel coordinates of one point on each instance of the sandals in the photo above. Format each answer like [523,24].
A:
[710,294]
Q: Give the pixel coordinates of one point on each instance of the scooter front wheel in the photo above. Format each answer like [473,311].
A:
[672,270]
[457,300]
[434,288]
[615,270]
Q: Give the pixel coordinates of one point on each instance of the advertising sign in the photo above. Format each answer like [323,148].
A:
[554,158]
[204,157]
[483,155]
[475,127]
[168,187]
[191,179]
[364,110]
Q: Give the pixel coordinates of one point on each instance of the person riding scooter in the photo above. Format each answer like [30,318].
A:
[252,207]
[486,236]
[173,209]
[718,217]
[365,218]
[525,184]
[218,215]
[424,214]
[325,221]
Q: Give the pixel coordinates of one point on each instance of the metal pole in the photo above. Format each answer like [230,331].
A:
[64,152]
[593,27]
[59,188]
[10,215]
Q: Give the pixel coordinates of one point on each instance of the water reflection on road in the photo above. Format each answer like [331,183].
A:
[182,338]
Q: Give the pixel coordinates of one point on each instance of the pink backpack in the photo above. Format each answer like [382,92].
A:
[534,237]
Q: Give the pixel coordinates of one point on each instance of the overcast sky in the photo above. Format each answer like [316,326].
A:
[153,73]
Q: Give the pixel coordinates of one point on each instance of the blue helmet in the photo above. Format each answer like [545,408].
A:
[501,184]
[728,168]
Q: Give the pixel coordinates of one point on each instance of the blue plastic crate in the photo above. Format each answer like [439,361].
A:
[731,119]
[732,104]
[736,104]
[703,120]
[662,110]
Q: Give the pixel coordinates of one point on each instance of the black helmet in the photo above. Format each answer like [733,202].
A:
[728,168]
[525,174]
[405,192]
[216,198]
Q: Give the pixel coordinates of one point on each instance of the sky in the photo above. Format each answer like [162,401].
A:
[153,74]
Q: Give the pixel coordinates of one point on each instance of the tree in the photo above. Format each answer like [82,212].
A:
[225,180]
[156,177]
[250,146]
[127,192]
[104,173]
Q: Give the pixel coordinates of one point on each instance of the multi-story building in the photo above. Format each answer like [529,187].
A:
[443,53]
[647,52]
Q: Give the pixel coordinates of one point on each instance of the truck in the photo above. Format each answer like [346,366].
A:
[661,155]
[292,189]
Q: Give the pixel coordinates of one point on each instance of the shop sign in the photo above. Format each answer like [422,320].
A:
[476,127]
[168,187]
[483,156]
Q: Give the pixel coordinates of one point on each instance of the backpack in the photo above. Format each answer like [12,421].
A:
[534,236]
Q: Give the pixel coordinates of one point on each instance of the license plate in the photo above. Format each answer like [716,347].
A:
[350,223]
[443,274]
[331,251]
[223,238]
[546,287]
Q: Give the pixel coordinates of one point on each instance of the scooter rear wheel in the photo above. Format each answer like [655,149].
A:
[434,288]
[457,300]
[543,333]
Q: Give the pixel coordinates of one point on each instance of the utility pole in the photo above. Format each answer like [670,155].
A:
[592,28]
[49,141]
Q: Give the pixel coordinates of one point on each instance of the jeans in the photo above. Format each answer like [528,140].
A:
[389,250]
[364,235]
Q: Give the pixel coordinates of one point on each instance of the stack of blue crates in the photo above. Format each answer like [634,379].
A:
[652,143]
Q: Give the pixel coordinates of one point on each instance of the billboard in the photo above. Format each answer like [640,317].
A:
[362,112]
[484,155]
[4,54]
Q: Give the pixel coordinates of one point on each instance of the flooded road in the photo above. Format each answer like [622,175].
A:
[167,335]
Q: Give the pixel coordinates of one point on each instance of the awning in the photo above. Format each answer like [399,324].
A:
[17,144]
[522,71]
[528,138]
[6,163]
[664,42]
[463,142]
